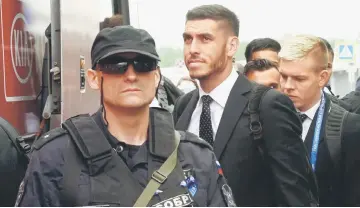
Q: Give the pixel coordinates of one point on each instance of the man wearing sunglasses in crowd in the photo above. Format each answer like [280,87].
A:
[167,92]
[126,154]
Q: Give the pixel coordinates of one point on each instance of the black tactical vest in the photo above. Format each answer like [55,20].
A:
[111,181]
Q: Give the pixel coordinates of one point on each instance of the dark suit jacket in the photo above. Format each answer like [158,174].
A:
[285,178]
[338,186]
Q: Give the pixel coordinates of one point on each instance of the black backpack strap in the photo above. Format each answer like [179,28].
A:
[96,152]
[82,130]
[334,130]
[256,130]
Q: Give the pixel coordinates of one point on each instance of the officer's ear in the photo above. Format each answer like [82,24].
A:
[94,79]
[157,77]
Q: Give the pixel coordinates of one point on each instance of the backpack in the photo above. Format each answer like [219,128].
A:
[255,126]
[333,131]
[333,126]
[14,157]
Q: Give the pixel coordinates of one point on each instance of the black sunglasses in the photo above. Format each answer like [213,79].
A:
[120,65]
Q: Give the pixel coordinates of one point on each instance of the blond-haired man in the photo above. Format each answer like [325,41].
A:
[330,133]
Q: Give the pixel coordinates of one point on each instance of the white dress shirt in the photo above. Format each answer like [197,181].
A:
[220,96]
[310,117]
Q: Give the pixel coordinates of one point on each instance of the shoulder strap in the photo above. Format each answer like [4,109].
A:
[256,96]
[82,130]
[159,176]
[333,131]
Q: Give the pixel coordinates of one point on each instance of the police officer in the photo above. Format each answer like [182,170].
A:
[126,154]
[167,92]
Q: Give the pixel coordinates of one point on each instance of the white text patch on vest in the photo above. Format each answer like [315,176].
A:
[177,201]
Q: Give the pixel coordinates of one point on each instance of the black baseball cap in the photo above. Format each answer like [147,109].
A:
[122,39]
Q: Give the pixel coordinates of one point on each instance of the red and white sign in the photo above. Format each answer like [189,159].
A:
[18,53]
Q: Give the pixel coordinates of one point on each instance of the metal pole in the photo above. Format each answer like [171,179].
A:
[124,6]
[56,54]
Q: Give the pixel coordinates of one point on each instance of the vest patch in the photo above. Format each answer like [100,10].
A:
[177,201]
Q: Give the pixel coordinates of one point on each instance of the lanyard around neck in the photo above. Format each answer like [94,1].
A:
[316,139]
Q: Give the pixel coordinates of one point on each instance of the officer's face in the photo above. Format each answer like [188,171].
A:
[302,80]
[130,89]
[208,48]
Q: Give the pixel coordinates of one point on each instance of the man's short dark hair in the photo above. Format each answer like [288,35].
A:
[215,12]
[261,44]
[259,65]
[328,46]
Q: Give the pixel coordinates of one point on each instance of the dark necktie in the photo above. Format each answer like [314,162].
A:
[206,131]
[302,117]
